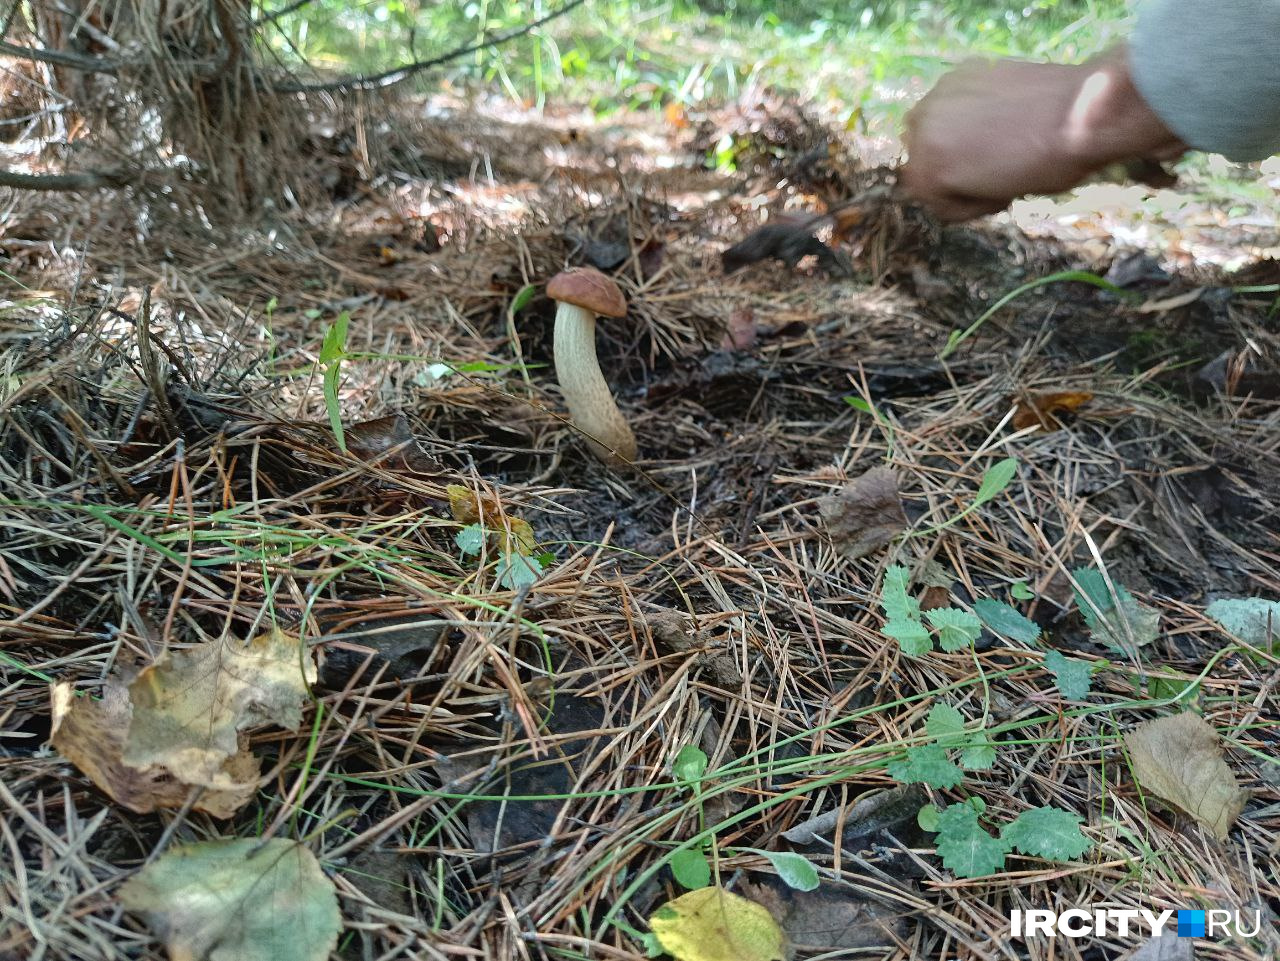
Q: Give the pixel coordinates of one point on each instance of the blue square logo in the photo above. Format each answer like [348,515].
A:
[1191,924]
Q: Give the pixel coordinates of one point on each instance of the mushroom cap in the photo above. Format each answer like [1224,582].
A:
[586,287]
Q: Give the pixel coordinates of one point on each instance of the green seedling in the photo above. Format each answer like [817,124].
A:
[333,351]
[958,337]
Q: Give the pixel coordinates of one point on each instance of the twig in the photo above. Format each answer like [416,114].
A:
[88,180]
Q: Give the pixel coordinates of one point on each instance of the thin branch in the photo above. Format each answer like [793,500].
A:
[397,74]
[59,58]
[275,15]
[88,180]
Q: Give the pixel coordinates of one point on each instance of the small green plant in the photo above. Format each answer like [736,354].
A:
[333,350]
[968,849]
[1073,676]
[931,764]
[690,865]
[994,480]
[515,570]
[957,629]
[958,337]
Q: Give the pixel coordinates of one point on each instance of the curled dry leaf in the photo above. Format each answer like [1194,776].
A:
[238,900]
[1044,409]
[190,706]
[866,514]
[91,735]
[1179,759]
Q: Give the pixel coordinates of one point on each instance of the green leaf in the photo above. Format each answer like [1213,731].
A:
[517,571]
[1119,622]
[334,346]
[244,899]
[927,818]
[929,765]
[521,300]
[690,867]
[1254,620]
[545,559]
[331,403]
[652,946]
[957,629]
[794,869]
[1090,585]
[1021,592]
[1161,688]
[1047,832]
[979,754]
[995,480]
[897,603]
[1003,619]
[857,403]
[946,726]
[690,764]
[912,637]
[965,847]
[1070,673]
[470,539]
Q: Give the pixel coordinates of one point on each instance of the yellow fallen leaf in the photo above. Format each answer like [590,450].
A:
[91,735]
[1179,759]
[712,924]
[190,706]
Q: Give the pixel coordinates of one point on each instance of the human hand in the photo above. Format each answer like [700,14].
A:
[993,131]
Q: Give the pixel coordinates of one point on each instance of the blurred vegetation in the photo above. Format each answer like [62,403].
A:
[646,53]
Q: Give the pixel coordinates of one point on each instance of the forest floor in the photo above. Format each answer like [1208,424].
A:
[549,691]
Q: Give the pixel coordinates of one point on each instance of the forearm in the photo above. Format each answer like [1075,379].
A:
[1210,69]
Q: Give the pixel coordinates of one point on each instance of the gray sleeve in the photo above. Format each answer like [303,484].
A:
[1210,69]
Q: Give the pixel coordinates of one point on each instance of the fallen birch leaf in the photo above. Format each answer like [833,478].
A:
[1179,759]
[190,706]
[866,514]
[238,900]
[91,735]
[712,924]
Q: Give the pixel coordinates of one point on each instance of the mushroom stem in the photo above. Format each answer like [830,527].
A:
[586,393]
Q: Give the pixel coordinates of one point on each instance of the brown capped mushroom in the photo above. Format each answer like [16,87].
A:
[582,293]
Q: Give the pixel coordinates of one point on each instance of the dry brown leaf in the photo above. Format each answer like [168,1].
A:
[827,920]
[91,735]
[189,707]
[866,514]
[1179,759]
[1043,408]
[672,632]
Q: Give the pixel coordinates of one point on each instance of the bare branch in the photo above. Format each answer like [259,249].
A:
[397,74]
[59,58]
[89,180]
